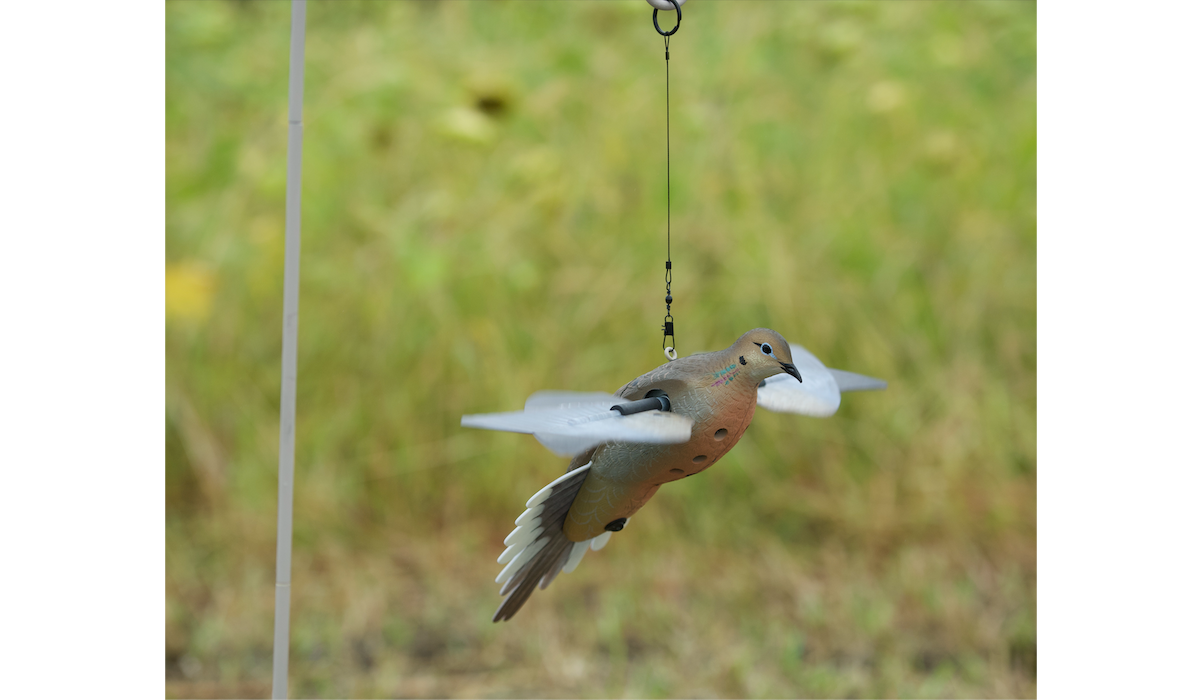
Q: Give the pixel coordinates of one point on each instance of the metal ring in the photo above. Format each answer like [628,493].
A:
[670,351]
[678,21]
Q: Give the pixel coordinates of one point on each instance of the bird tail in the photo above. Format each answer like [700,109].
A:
[537,549]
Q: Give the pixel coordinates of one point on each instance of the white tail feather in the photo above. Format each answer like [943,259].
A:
[509,554]
[577,551]
[515,565]
[514,535]
[517,534]
[599,541]
[529,514]
[538,498]
[527,534]
[542,495]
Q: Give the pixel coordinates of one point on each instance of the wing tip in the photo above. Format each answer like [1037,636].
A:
[852,381]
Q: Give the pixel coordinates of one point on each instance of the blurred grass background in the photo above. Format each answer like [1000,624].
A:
[484,217]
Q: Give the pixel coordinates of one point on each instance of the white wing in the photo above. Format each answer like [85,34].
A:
[569,423]
[849,381]
[819,395]
[540,400]
[816,396]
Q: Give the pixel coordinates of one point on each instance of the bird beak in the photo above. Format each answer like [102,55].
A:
[791,369]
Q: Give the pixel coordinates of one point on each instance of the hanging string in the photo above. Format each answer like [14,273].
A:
[668,327]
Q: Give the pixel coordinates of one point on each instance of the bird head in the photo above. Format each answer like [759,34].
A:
[764,353]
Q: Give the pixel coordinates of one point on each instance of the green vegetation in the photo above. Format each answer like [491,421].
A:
[484,217]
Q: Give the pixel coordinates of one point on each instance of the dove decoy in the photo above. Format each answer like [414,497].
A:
[620,461]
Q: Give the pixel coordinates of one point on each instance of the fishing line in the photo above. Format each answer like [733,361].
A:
[668,327]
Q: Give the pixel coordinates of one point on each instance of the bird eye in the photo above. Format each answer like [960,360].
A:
[767,349]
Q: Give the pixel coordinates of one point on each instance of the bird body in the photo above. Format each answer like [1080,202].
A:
[620,461]
[717,390]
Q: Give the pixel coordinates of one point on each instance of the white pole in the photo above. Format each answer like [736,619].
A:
[287,397]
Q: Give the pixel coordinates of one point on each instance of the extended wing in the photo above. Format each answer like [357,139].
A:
[819,395]
[569,423]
